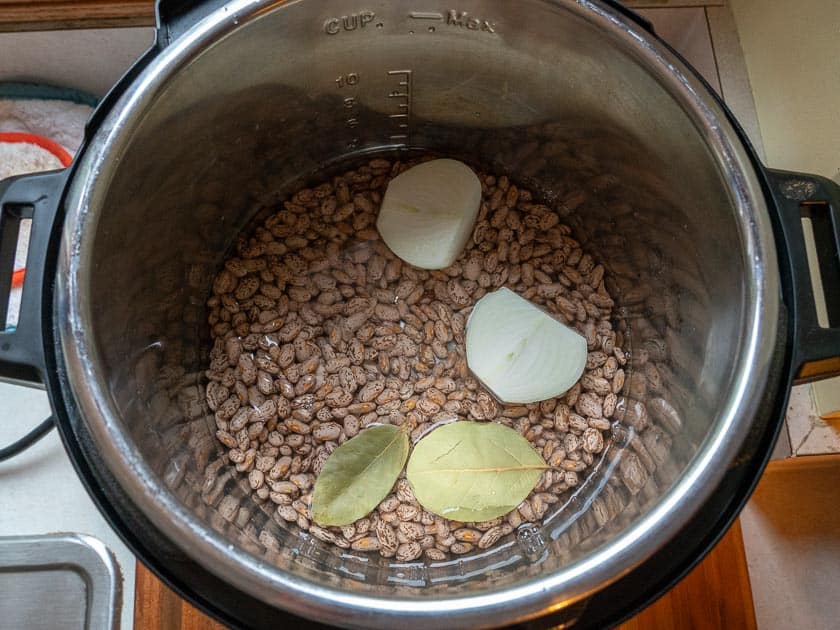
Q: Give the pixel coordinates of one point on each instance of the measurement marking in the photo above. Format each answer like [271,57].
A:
[402,118]
[425,15]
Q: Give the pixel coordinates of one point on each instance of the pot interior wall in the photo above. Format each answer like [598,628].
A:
[550,99]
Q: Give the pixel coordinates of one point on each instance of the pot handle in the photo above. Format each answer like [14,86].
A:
[175,17]
[33,197]
[816,352]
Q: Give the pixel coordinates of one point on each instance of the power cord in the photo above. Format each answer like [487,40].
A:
[27,440]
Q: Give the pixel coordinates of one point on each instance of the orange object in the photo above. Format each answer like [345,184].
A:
[45,143]
[48,145]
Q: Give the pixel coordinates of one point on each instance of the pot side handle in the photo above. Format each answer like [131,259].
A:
[175,17]
[816,352]
[33,197]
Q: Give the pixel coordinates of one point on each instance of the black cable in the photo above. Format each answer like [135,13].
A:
[27,440]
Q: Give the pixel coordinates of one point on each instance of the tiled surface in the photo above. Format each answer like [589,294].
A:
[810,434]
[791,530]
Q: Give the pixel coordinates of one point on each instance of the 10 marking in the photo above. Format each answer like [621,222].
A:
[351,106]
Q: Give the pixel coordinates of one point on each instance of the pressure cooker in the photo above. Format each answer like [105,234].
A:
[238,101]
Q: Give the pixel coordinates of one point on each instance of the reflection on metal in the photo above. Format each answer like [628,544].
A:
[572,101]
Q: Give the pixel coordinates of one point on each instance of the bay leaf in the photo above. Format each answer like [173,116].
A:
[473,471]
[358,475]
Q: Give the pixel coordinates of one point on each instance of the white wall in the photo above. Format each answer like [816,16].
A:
[792,51]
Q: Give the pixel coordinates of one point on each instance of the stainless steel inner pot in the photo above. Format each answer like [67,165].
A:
[570,98]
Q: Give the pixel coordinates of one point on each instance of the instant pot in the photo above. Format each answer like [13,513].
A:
[236,104]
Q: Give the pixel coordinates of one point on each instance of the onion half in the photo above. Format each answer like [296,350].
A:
[428,212]
[521,353]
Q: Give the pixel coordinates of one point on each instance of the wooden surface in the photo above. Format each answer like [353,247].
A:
[29,15]
[715,596]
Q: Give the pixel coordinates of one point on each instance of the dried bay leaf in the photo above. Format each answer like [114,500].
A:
[472,471]
[358,475]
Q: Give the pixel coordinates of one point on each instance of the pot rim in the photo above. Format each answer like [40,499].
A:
[87,191]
